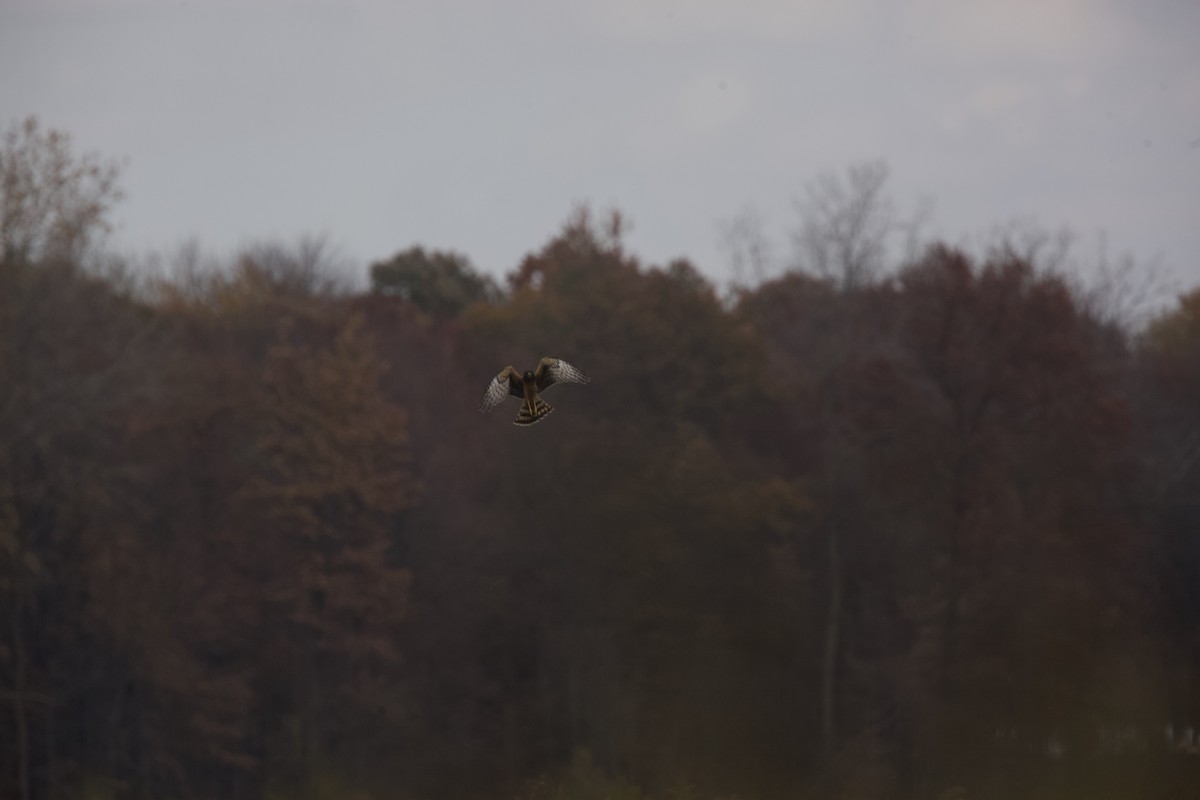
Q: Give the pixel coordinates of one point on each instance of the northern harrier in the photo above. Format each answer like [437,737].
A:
[527,385]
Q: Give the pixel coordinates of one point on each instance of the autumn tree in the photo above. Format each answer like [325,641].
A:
[70,349]
[846,237]
[612,647]
[1167,394]
[53,203]
[437,282]
[1025,453]
[831,357]
[332,477]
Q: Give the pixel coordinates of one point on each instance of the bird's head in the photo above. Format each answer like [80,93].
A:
[527,377]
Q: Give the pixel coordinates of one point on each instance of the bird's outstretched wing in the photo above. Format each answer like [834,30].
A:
[506,382]
[554,370]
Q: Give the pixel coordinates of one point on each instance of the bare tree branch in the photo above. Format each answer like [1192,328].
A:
[845,224]
[53,205]
[743,242]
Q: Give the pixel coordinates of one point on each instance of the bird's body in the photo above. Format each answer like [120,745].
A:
[527,385]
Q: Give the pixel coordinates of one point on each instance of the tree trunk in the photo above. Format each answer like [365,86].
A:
[832,623]
[955,586]
[19,712]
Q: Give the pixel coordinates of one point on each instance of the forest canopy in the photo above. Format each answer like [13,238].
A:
[927,530]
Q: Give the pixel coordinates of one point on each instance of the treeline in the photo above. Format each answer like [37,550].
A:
[927,533]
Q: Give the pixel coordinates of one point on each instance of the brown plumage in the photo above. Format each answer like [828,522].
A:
[527,385]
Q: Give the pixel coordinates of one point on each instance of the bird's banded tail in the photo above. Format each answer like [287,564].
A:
[540,409]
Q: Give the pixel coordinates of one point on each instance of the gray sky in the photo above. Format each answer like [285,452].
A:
[477,126]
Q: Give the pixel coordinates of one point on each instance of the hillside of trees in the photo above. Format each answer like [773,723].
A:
[852,532]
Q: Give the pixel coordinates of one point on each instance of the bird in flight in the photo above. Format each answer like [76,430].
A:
[526,386]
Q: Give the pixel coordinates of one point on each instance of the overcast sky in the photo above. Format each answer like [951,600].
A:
[477,126]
